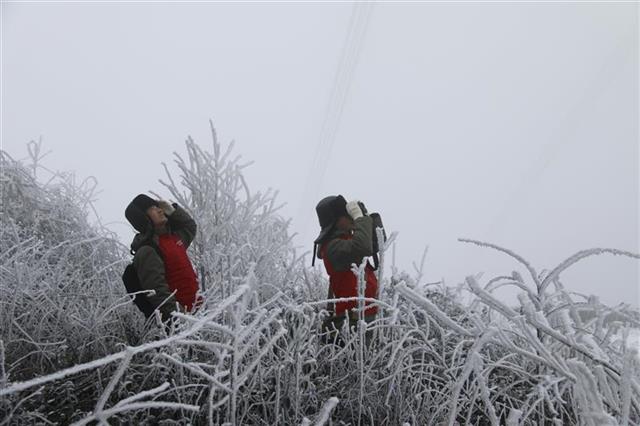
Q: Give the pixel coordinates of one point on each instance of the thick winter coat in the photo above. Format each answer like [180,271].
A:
[166,267]
[340,250]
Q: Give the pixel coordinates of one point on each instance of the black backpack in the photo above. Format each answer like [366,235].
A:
[377,223]
[132,285]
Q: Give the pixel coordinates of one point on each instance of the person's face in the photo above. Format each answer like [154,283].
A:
[344,223]
[157,216]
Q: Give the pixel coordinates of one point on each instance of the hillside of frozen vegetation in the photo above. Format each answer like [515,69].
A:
[73,348]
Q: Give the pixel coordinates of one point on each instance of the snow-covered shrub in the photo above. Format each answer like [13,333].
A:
[255,352]
[59,280]
[237,229]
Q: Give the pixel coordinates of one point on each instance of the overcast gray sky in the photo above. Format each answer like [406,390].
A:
[513,123]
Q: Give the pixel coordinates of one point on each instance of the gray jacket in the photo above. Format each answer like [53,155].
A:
[342,253]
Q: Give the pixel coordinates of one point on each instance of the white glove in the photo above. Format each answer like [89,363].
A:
[166,207]
[354,210]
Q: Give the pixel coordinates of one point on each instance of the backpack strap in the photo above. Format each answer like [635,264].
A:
[315,251]
[156,248]
[376,261]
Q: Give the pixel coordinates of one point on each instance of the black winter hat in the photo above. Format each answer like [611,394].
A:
[136,212]
[329,209]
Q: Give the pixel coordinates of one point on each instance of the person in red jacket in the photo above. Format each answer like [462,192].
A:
[346,238]
[162,264]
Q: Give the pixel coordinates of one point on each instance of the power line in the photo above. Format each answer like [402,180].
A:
[342,82]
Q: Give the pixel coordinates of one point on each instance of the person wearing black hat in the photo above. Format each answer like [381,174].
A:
[346,237]
[161,262]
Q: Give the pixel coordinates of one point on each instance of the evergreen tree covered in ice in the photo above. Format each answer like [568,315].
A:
[73,349]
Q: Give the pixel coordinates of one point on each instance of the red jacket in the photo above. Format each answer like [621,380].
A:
[179,272]
[345,283]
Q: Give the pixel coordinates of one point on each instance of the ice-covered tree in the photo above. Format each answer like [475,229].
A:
[254,353]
